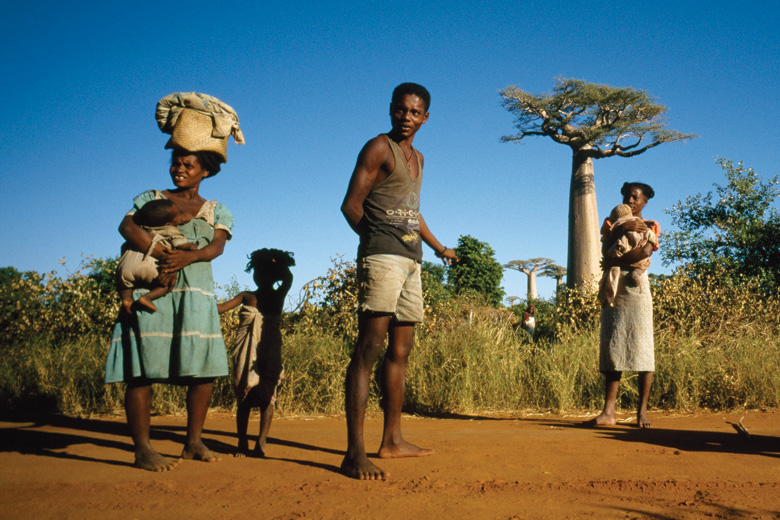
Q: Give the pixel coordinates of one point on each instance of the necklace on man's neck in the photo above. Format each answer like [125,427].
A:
[407,159]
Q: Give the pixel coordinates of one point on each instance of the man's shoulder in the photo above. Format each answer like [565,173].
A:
[376,151]
[382,141]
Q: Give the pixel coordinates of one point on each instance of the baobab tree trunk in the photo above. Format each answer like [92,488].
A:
[583,260]
[531,284]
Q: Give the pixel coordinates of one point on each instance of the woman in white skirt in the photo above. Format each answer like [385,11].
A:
[626,342]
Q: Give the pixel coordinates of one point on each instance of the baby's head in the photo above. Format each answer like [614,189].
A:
[269,264]
[620,211]
[156,213]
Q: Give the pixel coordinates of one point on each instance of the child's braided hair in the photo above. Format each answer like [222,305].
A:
[269,259]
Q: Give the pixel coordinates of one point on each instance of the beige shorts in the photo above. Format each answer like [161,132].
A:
[390,284]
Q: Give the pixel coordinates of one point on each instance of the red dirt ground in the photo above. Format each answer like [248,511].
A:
[529,466]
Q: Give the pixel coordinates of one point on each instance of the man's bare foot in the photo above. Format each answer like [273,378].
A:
[603,419]
[145,304]
[362,469]
[198,451]
[642,421]
[402,449]
[259,451]
[150,460]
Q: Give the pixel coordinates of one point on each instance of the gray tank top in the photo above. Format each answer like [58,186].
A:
[391,222]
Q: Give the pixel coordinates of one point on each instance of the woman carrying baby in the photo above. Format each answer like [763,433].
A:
[182,342]
[626,339]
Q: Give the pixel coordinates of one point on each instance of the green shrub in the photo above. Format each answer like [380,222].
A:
[716,347]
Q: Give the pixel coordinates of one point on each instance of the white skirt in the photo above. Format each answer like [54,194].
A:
[626,339]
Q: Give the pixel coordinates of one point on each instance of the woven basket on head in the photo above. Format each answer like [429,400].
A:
[193,133]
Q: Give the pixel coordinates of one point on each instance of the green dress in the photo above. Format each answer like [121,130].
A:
[183,339]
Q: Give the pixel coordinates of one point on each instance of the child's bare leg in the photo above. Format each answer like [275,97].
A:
[126,295]
[607,416]
[145,301]
[137,409]
[266,415]
[393,382]
[198,397]
[645,382]
[242,422]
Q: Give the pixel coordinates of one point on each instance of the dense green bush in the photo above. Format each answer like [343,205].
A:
[716,347]
[732,233]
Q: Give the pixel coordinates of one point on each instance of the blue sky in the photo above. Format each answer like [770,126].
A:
[311,82]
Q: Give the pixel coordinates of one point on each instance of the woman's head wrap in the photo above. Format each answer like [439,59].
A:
[198,123]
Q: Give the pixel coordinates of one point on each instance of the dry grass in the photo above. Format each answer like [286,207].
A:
[717,347]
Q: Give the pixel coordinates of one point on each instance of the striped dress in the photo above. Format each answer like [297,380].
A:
[183,339]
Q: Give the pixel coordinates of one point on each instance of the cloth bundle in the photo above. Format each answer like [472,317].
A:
[198,122]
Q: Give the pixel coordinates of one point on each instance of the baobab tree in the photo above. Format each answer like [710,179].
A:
[530,267]
[595,121]
[554,271]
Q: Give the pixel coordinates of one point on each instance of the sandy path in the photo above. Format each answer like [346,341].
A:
[534,466]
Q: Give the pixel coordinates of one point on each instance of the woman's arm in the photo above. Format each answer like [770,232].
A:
[140,240]
[619,230]
[631,257]
[175,260]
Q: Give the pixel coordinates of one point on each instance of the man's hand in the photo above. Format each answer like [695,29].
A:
[448,256]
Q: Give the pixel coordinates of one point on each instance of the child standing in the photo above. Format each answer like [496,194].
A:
[257,354]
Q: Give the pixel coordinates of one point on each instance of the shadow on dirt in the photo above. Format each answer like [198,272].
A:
[684,440]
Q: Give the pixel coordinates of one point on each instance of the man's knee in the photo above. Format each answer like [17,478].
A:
[368,348]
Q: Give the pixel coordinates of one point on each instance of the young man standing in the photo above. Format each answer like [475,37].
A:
[382,205]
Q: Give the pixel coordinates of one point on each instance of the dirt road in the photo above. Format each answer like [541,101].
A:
[530,466]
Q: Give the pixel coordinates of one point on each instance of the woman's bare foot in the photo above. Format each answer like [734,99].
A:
[603,419]
[150,460]
[642,421]
[402,449]
[198,451]
[362,469]
[145,304]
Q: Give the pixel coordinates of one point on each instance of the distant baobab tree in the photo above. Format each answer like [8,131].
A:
[511,300]
[554,271]
[595,121]
[530,267]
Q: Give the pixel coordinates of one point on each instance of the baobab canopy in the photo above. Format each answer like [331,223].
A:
[603,120]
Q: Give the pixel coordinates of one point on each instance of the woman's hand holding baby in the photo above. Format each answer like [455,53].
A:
[175,260]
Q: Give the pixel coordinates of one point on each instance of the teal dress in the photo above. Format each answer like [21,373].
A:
[182,340]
